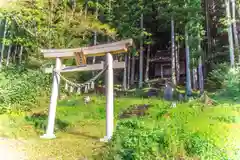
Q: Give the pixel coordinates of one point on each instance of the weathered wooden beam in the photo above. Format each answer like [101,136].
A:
[102,51]
[98,50]
[90,67]
[127,42]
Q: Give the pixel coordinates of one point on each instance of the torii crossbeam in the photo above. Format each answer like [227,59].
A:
[80,55]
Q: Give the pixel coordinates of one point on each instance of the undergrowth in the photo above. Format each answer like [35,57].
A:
[185,132]
[226,81]
[191,131]
[22,88]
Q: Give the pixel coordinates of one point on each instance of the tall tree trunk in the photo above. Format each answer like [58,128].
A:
[65,12]
[141,57]
[235,32]
[147,63]
[173,53]
[8,55]
[95,34]
[85,17]
[3,42]
[230,36]
[125,73]
[177,62]
[109,14]
[208,32]
[208,28]
[20,54]
[200,75]
[94,43]
[188,73]
[15,54]
[200,67]
[133,70]
[51,17]
[95,37]
[128,70]
[195,78]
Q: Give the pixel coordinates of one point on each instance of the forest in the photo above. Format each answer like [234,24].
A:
[187,47]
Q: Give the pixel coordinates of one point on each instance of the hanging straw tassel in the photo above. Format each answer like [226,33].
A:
[79,90]
[92,85]
[66,86]
[71,89]
[89,85]
[86,89]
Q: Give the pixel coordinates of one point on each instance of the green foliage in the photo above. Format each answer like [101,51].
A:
[232,82]
[217,76]
[184,132]
[187,132]
[42,24]
[196,144]
[227,80]
[22,87]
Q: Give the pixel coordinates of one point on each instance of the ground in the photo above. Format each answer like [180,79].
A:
[79,127]
[11,149]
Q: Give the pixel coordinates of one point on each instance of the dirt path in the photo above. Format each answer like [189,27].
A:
[11,149]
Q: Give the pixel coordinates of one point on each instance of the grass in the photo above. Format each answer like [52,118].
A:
[190,131]
[79,127]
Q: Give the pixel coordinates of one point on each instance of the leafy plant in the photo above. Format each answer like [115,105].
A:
[184,132]
[217,76]
[232,82]
[22,87]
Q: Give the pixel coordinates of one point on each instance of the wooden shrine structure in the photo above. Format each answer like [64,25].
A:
[80,55]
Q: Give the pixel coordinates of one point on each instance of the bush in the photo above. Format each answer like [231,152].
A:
[197,145]
[232,82]
[181,133]
[227,80]
[136,140]
[216,77]
[22,87]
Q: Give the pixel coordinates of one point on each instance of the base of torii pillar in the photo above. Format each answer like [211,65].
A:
[109,99]
[48,136]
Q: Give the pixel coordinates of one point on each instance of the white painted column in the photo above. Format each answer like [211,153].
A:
[109,99]
[53,104]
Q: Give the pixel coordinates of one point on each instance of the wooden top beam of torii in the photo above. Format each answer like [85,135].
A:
[98,50]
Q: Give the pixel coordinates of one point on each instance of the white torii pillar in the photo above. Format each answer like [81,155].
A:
[109,98]
[53,103]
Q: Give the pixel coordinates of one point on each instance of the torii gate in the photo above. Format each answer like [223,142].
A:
[80,55]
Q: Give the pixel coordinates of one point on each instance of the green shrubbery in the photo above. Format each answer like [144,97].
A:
[23,88]
[232,82]
[217,76]
[185,132]
[226,80]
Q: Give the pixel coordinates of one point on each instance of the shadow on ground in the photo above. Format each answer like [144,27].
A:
[84,134]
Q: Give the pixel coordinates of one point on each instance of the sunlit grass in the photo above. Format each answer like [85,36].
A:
[80,138]
[81,126]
